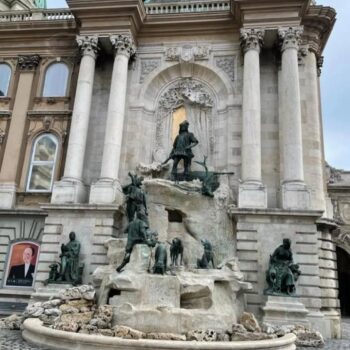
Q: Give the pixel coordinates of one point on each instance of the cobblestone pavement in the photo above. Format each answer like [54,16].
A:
[12,340]
[342,344]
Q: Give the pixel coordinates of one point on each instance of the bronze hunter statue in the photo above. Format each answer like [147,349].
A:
[182,150]
[282,273]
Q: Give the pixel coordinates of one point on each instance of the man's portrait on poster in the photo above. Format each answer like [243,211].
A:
[21,264]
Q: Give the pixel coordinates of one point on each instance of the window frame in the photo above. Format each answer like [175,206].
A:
[33,162]
[9,79]
[47,68]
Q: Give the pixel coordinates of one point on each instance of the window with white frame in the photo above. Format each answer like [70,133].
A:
[56,80]
[5,76]
[42,163]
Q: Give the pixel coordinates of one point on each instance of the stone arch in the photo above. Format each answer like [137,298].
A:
[342,241]
[213,90]
[161,77]
[343,270]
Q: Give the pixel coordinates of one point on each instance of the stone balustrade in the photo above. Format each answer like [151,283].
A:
[187,7]
[36,15]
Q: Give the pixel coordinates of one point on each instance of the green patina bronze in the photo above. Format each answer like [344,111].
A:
[135,198]
[182,150]
[68,270]
[282,273]
[207,257]
[138,233]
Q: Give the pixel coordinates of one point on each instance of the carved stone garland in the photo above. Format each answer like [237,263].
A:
[185,90]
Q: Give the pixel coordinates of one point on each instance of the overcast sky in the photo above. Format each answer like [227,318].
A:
[335,85]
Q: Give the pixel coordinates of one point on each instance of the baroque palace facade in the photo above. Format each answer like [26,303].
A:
[91,92]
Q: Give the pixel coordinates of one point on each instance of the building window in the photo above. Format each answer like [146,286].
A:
[5,76]
[42,164]
[56,79]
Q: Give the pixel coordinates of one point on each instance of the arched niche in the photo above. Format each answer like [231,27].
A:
[197,105]
[205,94]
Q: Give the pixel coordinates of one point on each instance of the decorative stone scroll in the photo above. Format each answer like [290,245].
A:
[252,39]
[227,64]
[187,53]
[123,45]
[290,37]
[88,45]
[343,241]
[186,89]
[28,63]
[148,66]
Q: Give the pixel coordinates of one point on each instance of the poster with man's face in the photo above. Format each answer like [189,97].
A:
[21,264]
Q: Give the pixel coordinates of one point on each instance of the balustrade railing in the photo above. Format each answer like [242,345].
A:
[36,15]
[158,8]
[154,8]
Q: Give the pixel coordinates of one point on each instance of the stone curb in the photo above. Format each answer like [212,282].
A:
[34,332]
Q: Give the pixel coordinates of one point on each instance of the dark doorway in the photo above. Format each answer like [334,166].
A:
[343,260]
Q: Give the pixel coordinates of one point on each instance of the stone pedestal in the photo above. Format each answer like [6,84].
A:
[252,195]
[69,191]
[295,196]
[280,310]
[106,191]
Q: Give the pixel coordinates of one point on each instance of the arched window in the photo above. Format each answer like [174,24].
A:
[56,79]
[42,164]
[5,76]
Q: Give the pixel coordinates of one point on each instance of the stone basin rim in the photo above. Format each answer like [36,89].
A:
[34,332]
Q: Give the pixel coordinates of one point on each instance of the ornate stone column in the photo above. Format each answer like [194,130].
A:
[107,189]
[252,193]
[295,195]
[16,135]
[314,157]
[71,188]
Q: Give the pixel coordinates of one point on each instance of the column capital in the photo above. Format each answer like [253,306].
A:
[290,38]
[28,63]
[88,45]
[123,45]
[251,39]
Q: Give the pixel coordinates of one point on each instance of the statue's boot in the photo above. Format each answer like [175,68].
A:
[121,266]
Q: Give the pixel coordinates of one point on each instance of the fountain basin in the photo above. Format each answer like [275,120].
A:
[35,333]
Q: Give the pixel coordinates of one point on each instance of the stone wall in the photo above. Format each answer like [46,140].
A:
[92,227]
[329,282]
[259,233]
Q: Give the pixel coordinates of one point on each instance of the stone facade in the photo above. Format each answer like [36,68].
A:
[249,86]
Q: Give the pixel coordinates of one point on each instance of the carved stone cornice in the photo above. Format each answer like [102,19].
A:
[28,63]
[123,45]
[88,45]
[318,24]
[187,53]
[290,38]
[252,39]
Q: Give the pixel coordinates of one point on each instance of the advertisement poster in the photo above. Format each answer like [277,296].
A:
[21,264]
